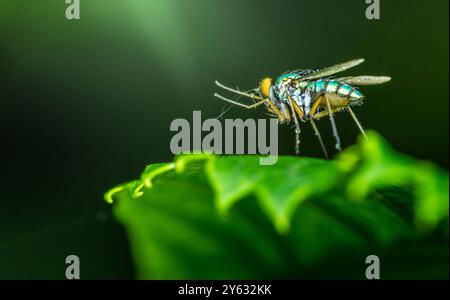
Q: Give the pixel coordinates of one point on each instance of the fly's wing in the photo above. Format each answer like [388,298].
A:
[364,80]
[334,69]
[297,73]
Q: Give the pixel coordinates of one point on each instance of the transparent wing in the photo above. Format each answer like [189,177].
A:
[334,69]
[364,80]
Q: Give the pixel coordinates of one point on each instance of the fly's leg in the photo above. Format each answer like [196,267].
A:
[277,112]
[297,139]
[319,137]
[240,104]
[325,113]
[333,124]
[350,111]
[315,105]
[254,97]
[297,127]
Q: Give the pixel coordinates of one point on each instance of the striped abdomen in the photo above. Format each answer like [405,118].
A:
[330,86]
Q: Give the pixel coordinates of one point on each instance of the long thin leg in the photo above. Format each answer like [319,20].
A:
[333,125]
[350,111]
[297,137]
[319,137]
[240,104]
[238,92]
[315,105]
[297,127]
[275,110]
[278,113]
[324,113]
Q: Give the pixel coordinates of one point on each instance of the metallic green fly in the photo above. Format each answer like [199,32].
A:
[308,95]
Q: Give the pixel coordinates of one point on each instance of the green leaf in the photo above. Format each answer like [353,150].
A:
[380,166]
[279,188]
[227,217]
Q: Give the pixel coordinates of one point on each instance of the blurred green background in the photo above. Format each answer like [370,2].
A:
[87,104]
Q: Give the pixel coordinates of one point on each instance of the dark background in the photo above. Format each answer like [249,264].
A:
[87,104]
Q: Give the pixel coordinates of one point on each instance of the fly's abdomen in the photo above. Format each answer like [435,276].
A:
[329,86]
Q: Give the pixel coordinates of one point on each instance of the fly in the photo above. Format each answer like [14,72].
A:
[307,95]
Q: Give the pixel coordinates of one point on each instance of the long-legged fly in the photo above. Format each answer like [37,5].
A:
[308,95]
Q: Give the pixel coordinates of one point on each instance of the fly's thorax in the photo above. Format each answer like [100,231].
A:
[306,102]
[303,85]
[291,79]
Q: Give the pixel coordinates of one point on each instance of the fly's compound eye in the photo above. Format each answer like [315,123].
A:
[264,87]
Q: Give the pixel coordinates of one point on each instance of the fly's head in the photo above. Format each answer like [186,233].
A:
[268,91]
[264,87]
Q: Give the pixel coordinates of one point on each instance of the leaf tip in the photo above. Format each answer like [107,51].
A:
[108,196]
